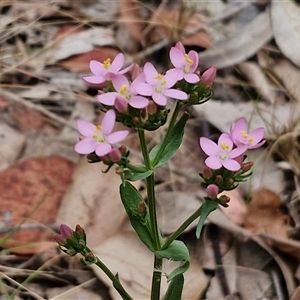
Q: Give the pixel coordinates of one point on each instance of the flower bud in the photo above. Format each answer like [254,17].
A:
[212,191]
[224,198]
[66,231]
[123,150]
[207,173]
[247,166]
[209,76]
[136,70]
[115,155]
[121,105]
[151,108]
[219,179]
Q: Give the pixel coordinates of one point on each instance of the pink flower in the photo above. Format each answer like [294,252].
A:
[240,135]
[185,64]
[99,138]
[209,76]
[221,154]
[159,86]
[125,93]
[104,71]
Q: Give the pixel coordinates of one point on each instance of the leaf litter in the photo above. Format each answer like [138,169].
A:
[254,47]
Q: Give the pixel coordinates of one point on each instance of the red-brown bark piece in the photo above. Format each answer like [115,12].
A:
[32,191]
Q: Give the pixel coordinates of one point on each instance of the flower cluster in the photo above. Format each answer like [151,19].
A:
[225,166]
[141,101]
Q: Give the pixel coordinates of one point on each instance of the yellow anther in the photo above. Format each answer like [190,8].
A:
[225,147]
[123,89]
[188,60]
[107,63]
[159,76]
[244,134]
[250,139]
[98,127]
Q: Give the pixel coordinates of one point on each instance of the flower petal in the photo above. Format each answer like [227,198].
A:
[213,162]
[118,81]
[144,89]
[107,98]
[257,134]
[97,68]
[208,146]
[87,129]
[117,136]
[193,55]
[231,165]
[117,63]
[85,146]
[237,151]
[176,94]
[191,78]
[94,79]
[176,73]
[177,58]
[225,139]
[150,73]
[103,149]
[108,122]
[159,99]
[138,102]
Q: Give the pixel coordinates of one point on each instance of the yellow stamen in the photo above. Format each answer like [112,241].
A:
[124,89]
[188,60]
[225,147]
[243,134]
[251,139]
[107,63]
[98,128]
[159,76]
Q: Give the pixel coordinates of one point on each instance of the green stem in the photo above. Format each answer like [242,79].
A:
[116,283]
[156,279]
[181,228]
[177,108]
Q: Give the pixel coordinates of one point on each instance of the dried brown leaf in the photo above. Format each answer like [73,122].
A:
[168,24]
[240,45]
[285,18]
[130,16]
[93,201]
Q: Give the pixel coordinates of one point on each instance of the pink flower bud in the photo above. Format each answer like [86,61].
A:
[121,105]
[212,191]
[65,231]
[247,166]
[115,155]
[151,108]
[136,70]
[209,76]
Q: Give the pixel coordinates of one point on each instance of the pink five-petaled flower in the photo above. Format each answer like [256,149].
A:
[159,86]
[104,71]
[125,93]
[100,137]
[185,64]
[221,154]
[240,135]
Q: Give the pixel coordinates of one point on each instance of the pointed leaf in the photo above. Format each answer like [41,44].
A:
[134,175]
[140,221]
[174,143]
[175,287]
[207,207]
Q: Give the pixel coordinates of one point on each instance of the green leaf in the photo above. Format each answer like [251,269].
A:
[135,175]
[175,288]
[177,251]
[173,144]
[140,221]
[207,207]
